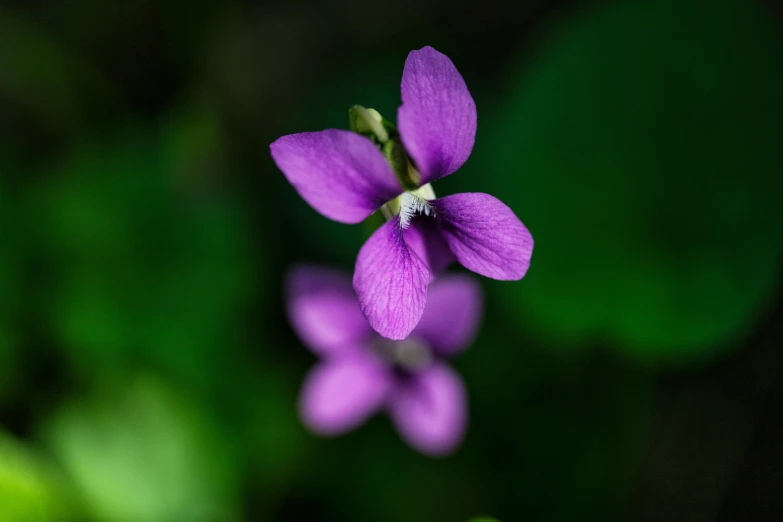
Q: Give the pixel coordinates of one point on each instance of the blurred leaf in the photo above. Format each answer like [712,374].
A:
[262,400]
[146,454]
[30,489]
[148,256]
[52,82]
[642,149]
[189,26]
[555,425]
[9,288]
[276,436]
[484,519]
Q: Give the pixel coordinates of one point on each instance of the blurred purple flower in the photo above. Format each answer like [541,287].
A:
[361,373]
[345,177]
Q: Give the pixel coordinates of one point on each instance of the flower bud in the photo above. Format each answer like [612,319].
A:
[368,122]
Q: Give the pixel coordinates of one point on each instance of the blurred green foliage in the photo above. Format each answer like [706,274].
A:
[51,85]
[645,142]
[141,452]
[32,490]
[150,260]
[8,291]
[147,372]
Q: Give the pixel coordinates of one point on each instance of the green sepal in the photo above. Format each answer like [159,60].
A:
[369,123]
[395,155]
[373,222]
[355,119]
[390,128]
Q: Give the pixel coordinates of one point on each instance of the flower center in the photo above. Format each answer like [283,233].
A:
[408,356]
[409,204]
[415,200]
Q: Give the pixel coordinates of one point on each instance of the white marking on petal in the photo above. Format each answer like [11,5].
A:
[410,205]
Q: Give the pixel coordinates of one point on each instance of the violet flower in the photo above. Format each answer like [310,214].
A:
[361,372]
[347,176]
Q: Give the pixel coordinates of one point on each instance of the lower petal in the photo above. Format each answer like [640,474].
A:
[453,313]
[430,411]
[485,235]
[424,238]
[340,395]
[391,282]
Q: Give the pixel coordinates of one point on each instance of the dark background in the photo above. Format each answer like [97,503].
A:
[147,370]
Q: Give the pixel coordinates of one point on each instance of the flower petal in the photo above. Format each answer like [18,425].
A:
[453,314]
[323,310]
[437,119]
[424,238]
[430,410]
[340,174]
[391,282]
[338,396]
[485,235]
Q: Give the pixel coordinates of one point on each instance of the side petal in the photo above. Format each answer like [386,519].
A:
[340,395]
[437,119]
[453,314]
[340,174]
[485,235]
[391,282]
[323,310]
[430,410]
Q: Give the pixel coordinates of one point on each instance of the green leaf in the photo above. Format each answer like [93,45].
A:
[147,257]
[48,80]
[642,149]
[9,288]
[31,489]
[141,451]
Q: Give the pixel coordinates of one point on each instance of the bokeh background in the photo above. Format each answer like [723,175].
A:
[147,370]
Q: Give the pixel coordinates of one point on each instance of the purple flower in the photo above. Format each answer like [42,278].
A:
[362,372]
[347,176]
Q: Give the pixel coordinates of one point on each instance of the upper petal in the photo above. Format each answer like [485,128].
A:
[453,313]
[323,310]
[338,396]
[437,119]
[430,410]
[485,235]
[391,282]
[340,174]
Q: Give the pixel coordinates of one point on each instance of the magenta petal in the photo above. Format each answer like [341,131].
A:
[424,238]
[453,314]
[340,174]
[430,410]
[485,235]
[437,119]
[340,395]
[323,310]
[391,282]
